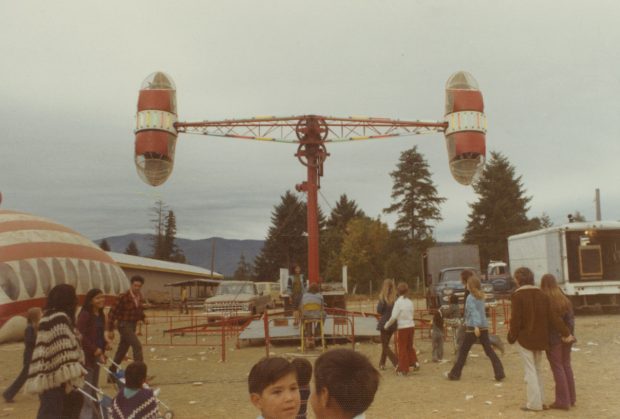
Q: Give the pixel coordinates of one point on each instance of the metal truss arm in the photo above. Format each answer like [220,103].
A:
[284,129]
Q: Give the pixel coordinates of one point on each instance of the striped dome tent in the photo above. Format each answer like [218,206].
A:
[36,254]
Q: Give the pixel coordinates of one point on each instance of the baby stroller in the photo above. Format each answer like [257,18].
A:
[100,400]
[103,401]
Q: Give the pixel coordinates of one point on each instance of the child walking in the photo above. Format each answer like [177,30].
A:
[30,338]
[437,335]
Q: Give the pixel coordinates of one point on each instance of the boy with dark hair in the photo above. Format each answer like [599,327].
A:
[133,400]
[345,383]
[273,388]
[304,374]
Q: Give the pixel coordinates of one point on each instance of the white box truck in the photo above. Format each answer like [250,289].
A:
[584,257]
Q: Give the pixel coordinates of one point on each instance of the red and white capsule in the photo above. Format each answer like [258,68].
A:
[156,135]
[467,127]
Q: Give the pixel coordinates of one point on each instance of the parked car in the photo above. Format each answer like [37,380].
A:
[272,289]
[236,299]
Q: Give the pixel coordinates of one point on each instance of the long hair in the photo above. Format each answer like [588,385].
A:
[388,291]
[88,301]
[62,298]
[559,302]
[475,288]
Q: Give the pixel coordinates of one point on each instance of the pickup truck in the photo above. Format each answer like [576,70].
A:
[498,275]
[449,283]
[236,299]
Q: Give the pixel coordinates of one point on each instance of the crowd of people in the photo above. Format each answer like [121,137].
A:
[63,351]
[542,320]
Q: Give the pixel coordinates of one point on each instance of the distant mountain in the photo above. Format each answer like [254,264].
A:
[198,252]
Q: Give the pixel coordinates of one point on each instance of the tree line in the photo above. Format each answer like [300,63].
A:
[163,241]
[372,251]
[367,246]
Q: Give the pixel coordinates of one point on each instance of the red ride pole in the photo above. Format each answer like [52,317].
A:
[312,217]
[311,153]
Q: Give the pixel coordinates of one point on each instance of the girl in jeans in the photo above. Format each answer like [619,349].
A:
[476,327]
[387,297]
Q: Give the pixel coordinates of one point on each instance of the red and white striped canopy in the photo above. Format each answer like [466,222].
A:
[36,254]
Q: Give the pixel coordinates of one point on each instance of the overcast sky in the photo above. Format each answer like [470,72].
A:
[71,70]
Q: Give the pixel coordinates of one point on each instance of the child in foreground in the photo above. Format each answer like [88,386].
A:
[133,400]
[304,374]
[273,388]
[345,383]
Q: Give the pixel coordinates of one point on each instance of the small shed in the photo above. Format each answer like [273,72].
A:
[199,289]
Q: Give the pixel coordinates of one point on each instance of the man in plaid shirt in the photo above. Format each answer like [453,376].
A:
[125,314]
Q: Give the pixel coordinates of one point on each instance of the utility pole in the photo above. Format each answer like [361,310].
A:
[212,256]
[597,201]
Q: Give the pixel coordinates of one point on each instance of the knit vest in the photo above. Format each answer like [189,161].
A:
[142,405]
[57,356]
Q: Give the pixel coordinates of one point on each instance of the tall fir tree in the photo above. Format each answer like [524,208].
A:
[104,245]
[171,251]
[243,271]
[500,211]
[158,220]
[132,249]
[286,243]
[417,202]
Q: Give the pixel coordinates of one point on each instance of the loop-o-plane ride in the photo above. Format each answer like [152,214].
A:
[157,129]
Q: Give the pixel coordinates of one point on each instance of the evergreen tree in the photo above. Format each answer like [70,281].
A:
[501,210]
[344,211]
[243,271]
[132,249]
[544,221]
[158,218]
[104,245]
[333,236]
[417,202]
[286,243]
[170,250]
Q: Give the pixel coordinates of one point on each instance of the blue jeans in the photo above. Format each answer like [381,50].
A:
[468,341]
[14,388]
[559,360]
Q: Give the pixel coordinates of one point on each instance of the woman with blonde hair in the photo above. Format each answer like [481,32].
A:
[387,297]
[476,327]
[558,353]
[402,315]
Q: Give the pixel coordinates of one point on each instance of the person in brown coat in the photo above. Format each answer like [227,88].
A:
[530,323]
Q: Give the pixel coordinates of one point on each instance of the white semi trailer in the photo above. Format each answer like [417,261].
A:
[583,256]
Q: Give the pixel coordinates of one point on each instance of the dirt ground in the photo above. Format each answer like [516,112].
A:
[195,384]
